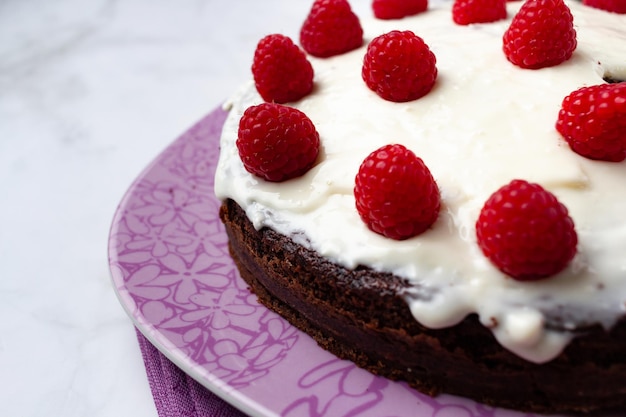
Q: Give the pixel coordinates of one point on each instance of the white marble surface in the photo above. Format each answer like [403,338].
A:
[90,93]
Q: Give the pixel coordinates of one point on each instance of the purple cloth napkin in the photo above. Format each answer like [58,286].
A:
[175,393]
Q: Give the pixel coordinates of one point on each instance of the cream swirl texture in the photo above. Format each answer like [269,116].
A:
[485,123]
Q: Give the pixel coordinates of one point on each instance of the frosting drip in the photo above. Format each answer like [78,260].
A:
[485,123]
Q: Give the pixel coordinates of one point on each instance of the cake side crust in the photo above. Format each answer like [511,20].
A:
[358,315]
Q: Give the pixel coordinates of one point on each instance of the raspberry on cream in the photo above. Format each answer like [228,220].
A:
[484,123]
[331,28]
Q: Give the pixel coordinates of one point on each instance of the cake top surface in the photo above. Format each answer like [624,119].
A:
[485,123]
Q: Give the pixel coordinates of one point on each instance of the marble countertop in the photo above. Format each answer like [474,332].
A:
[90,93]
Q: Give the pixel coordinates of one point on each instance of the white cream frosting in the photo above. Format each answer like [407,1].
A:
[485,123]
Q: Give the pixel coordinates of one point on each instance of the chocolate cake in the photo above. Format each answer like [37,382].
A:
[432,309]
[359,315]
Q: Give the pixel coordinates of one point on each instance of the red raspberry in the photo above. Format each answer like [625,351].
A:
[397,9]
[281,70]
[396,195]
[465,12]
[526,232]
[615,6]
[277,142]
[399,66]
[331,28]
[541,35]
[593,121]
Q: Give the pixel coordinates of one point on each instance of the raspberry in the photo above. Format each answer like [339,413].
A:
[281,70]
[277,142]
[331,28]
[526,232]
[541,35]
[397,9]
[399,66]
[593,121]
[615,6]
[465,12]
[396,195]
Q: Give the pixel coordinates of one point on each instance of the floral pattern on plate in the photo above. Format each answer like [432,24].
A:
[172,272]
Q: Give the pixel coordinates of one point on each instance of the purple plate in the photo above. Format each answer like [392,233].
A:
[172,272]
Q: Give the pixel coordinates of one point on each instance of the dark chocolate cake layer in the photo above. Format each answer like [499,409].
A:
[358,315]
